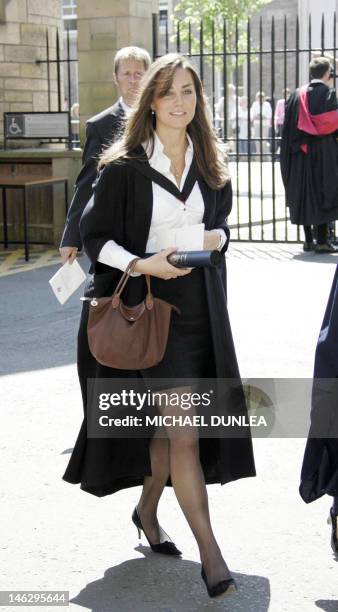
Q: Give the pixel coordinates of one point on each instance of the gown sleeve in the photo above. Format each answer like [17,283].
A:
[103,218]
[223,209]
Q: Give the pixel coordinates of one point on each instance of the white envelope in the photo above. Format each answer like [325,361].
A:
[66,280]
[186,238]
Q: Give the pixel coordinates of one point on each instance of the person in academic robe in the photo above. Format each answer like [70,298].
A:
[319,474]
[168,171]
[130,64]
[309,156]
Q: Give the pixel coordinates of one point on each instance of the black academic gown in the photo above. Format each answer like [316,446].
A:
[319,475]
[310,179]
[121,210]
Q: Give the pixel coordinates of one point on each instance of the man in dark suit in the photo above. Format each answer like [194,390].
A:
[130,64]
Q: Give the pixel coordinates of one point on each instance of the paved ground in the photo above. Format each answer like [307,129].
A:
[54,536]
[12,260]
[259,196]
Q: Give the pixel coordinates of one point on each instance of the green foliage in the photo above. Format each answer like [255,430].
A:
[235,12]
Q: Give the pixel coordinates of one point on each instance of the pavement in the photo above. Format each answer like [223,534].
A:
[56,537]
[12,260]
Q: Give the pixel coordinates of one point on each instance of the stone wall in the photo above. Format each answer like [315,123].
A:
[103,28]
[23,83]
[292,8]
[316,9]
[284,75]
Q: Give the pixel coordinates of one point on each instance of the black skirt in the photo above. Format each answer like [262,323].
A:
[189,349]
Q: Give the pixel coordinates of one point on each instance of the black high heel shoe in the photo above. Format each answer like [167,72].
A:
[333,519]
[166,548]
[220,589]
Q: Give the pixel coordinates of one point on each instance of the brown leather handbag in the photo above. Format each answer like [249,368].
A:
[128,338]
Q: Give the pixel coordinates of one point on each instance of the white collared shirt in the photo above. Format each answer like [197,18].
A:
[127,109]
[168,211]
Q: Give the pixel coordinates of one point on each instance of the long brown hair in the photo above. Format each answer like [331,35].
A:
[140,126]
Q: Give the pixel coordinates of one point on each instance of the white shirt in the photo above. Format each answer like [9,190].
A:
[168,212]
[231,106]
[127,109]
[242,120]
[259,108]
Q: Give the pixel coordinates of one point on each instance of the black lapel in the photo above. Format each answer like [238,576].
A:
[117,110]
[121,112]
[209,198]
[142,165]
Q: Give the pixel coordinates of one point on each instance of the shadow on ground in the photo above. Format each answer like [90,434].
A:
[327,258]
[36,331]
[153,584]
[329,605]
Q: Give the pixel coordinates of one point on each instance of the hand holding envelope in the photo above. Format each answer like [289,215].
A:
[66,280]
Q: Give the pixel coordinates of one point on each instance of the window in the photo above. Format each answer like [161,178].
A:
[162,15]
[69,8]
[69,14]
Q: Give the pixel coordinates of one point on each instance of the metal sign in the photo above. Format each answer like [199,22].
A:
[36,125]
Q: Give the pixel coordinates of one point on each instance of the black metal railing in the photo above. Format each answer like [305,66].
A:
[270,56]
[64,82]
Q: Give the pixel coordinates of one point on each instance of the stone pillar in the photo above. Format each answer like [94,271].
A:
[23,83]
[103,28]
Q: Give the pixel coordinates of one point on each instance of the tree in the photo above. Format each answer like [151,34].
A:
[213,13]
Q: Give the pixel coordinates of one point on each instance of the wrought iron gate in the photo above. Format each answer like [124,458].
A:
[247,60]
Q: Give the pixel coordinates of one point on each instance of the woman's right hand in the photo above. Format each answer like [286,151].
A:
[158,265]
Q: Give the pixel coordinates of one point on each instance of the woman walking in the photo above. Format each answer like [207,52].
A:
[166,172]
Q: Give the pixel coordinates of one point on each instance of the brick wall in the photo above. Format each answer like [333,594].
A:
[277,10]
[104,26]
[23,83]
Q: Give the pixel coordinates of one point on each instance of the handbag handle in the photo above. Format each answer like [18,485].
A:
[123,281]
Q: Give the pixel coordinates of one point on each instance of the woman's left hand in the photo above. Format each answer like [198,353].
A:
[211,241]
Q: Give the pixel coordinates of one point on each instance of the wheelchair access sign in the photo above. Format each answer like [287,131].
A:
[15,126]
[37,125]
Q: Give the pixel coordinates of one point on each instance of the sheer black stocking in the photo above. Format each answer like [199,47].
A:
[175,451]
[190,489]
[153,486]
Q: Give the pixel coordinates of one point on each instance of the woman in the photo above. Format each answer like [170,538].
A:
[319,474]
[166,172]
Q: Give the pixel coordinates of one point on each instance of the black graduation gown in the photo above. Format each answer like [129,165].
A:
[310,179]
[121,210]
[319,475]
